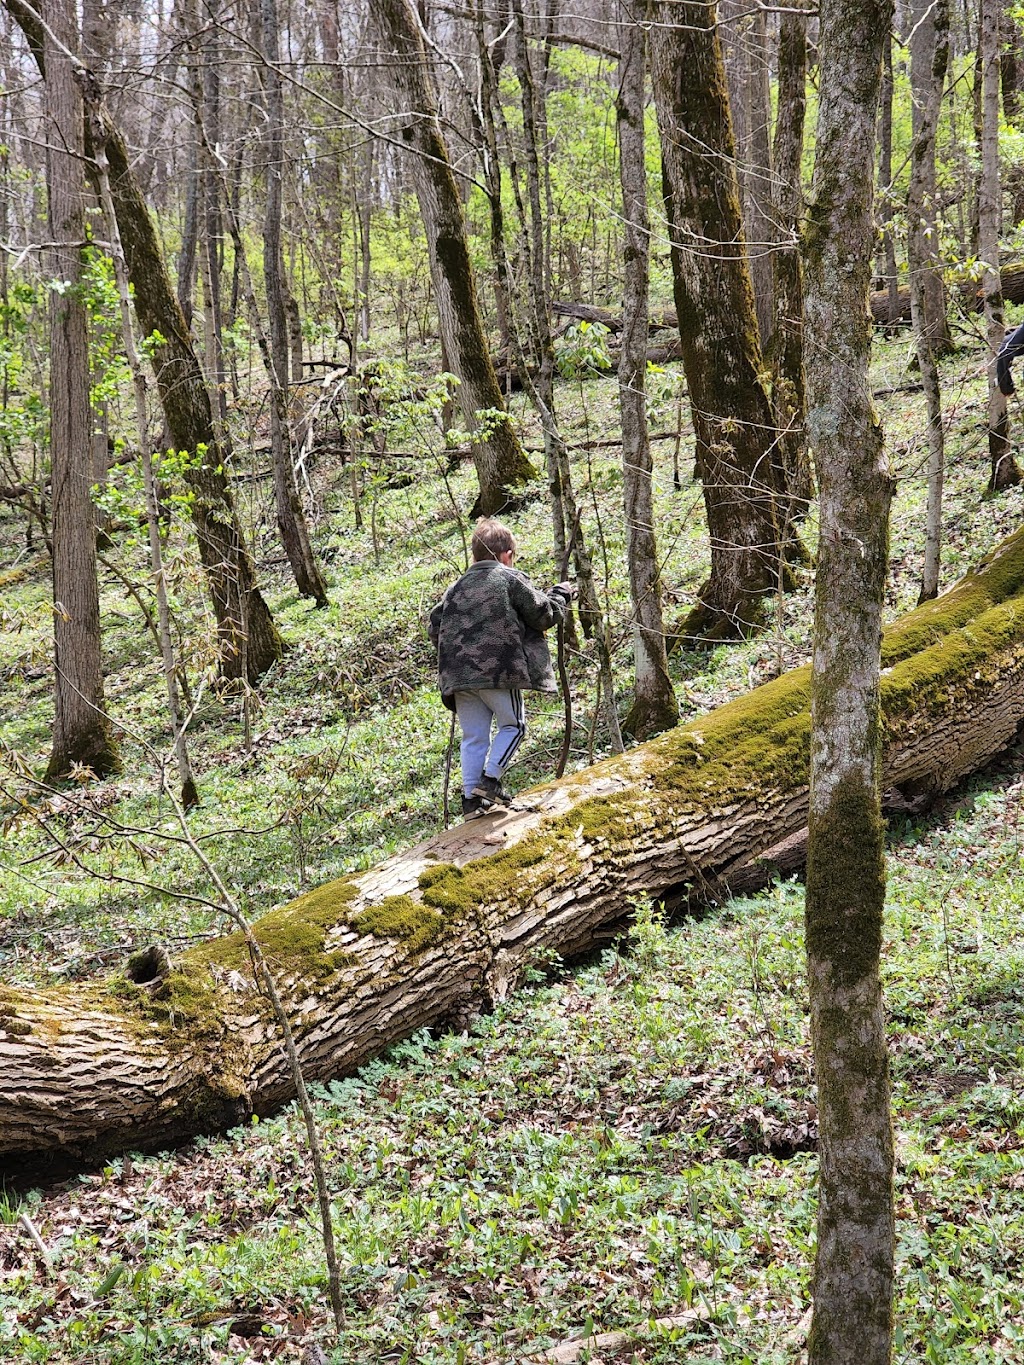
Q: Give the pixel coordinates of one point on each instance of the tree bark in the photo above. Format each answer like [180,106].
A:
[785,349]
[81,731]
[654,704]
[929,57]
[291,518]
[885,211]
[248,638]
[853,1271]
[1004,472]
[500,463]
[715,806]
[737,457]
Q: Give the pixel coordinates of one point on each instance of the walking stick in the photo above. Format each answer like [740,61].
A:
[563,676]
[448,770]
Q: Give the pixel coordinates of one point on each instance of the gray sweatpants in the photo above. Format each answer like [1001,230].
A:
[477,710]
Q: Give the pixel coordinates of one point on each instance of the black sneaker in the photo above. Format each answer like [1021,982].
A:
[472,807]
[490,792]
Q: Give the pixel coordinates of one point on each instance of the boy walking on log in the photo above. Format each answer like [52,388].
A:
[488,629]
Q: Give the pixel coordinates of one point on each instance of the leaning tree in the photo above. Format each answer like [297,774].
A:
[500,462]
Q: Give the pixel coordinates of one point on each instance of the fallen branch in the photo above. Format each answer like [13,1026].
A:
[570,1351]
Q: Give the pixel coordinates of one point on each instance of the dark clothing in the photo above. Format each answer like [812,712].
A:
[488,632]
[1013,346]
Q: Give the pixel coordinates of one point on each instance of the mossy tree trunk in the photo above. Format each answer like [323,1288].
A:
[853,1273]
[1004,472]
[737,452]
[81,731]
[715,806]
[248,639]
[501,465]
[654,705]
[785,346]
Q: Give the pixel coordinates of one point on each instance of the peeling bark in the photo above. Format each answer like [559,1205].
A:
[714,806]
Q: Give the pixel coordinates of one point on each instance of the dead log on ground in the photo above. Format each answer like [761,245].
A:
[1011,278]
[709,808]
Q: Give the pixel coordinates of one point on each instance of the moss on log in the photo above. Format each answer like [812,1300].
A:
[711,807]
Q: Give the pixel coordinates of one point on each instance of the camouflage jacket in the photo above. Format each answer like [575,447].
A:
[488,631]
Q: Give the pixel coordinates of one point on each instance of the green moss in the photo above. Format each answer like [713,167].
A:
[996,580]
[291,938]
[846,884]
[444,887]
[438,873]
[403,918]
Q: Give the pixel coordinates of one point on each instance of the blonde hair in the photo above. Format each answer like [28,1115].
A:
[491,540]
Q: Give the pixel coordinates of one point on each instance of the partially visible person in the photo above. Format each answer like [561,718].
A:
[1012,347]
[489,633]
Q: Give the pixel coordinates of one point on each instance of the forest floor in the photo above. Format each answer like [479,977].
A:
[627,1142]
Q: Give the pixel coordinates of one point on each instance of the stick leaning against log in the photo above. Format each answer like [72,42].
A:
[713,806]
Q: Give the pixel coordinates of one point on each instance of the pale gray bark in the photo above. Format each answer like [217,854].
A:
[81,731]
[853,1275]
[291,516]
[929,56]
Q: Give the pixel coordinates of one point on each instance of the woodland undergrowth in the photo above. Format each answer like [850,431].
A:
[631,1141]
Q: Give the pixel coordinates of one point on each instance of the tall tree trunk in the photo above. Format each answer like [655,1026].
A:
[1004,472]
[929,57]
[249,642]
[706,810]
[853,1273]
[759,224]
[737,456]
[654,705]
[593,619]
[81,730]
[500,463]
[786,347]
[187,252]
[492,180]
[189,794]
[212,236]
[291,519]
[887,209]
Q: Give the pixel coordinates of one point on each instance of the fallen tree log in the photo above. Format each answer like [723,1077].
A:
[1011,278]
[715,806]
